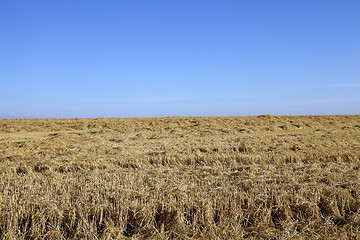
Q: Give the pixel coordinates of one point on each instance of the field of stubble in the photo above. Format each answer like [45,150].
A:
[263,177]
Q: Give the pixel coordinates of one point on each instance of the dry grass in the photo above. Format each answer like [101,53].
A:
[263,177]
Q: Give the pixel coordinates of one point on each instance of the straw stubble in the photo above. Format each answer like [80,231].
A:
[265,177]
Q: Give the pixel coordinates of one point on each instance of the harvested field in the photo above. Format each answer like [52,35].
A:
[264,177]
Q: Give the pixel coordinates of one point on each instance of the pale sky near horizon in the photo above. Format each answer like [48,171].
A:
[63,59]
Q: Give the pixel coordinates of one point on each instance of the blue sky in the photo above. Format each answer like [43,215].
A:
[77,58]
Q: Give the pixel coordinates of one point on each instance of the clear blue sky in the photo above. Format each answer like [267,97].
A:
[77,58]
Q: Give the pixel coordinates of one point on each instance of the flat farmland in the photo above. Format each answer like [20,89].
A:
[261,177]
